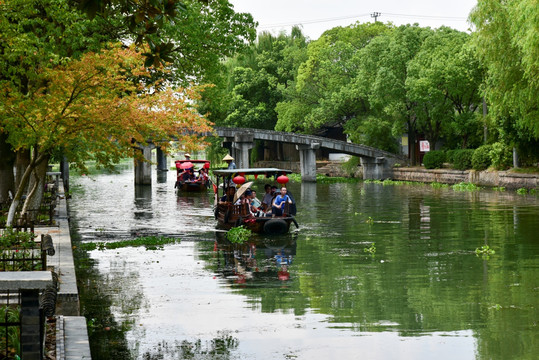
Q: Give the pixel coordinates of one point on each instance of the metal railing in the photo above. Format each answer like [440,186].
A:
[10,325]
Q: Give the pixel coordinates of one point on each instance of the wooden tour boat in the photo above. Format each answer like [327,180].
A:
[229,215]
[192,175]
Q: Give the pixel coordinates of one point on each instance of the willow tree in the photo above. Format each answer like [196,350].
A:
[507,41]
[96,108]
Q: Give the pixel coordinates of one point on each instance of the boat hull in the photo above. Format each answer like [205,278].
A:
[192,186]
[229,216]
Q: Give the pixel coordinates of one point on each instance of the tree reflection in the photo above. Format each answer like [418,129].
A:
[220,347]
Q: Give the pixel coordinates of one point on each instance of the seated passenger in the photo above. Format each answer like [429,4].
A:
[255,206]
[280,201]
[241,200]
[268,197]
[202,175]
[184,175]
[229,196]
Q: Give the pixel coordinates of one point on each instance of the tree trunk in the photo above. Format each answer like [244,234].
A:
[24,182]
[37,186]
[21,163]
[516,163]
[7,180]
[411,144]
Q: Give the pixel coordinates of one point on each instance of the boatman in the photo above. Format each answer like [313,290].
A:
[187,156]
[280,201]
[230,161]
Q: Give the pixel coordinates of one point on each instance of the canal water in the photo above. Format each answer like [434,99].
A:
[373,272]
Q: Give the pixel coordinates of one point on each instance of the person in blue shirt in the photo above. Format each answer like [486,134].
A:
[280,201]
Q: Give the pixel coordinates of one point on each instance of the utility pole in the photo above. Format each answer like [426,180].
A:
[375,15]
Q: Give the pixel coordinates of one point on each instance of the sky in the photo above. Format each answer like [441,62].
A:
[316,16]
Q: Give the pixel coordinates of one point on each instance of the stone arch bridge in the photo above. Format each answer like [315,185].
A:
[376,163]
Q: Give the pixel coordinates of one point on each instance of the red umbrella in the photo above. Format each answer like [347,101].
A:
[186,165]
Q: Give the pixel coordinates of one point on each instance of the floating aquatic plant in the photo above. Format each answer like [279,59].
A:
[464,186]
[371,249]
[485,251]
[150,242]
[238,235]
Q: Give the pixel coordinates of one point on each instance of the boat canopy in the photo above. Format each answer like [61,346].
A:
[268,172]
[192,161]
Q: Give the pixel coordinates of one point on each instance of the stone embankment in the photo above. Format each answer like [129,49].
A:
[71,331]
[487,178]
[506,179]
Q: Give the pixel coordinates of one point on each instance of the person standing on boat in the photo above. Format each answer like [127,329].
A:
[230,161]
[187,156]
[280,201]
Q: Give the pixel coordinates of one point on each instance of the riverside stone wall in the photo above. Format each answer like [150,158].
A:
[506,179]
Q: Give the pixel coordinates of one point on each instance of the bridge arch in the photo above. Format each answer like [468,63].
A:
[376,163]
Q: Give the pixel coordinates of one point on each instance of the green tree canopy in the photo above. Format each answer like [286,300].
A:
[443,81]
[252,83]
[320,97]
[507,40]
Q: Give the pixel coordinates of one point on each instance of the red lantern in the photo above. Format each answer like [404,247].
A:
[238,180]
[256,176]
[283,179]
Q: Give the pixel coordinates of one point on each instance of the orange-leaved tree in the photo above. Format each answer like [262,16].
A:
[100,108]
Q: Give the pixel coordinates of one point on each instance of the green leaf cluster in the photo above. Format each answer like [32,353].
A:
[481,158]
[462,159]
[434,159]
[238,234]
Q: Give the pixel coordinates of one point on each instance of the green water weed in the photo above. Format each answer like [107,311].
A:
[149,242]
[464,186]
[371,249]
[238,235]
[485,251]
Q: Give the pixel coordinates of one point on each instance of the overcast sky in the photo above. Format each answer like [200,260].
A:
[316,16]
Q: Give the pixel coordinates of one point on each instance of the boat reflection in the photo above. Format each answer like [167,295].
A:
[259,259]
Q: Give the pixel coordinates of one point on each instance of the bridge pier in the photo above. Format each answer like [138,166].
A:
[243,142]
[143,173]
[161,160]
[307,160]
[377,168]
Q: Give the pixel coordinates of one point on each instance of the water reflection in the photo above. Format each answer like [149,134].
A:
[162,177]
[143,202]
[221,347]
[259,259]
